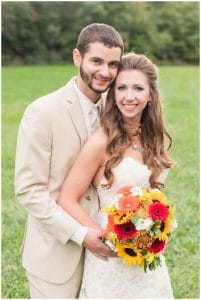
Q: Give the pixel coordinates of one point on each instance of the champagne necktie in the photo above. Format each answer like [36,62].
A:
[94,119]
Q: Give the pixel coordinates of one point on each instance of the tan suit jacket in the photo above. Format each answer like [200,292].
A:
[51,134]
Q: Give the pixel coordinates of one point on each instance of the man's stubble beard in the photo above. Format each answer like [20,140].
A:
[88,81]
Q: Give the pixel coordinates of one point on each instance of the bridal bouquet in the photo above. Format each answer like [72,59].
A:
[140,222]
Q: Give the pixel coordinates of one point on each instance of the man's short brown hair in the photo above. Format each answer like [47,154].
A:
[99,32]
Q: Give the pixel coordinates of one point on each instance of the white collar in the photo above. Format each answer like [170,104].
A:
[85,102]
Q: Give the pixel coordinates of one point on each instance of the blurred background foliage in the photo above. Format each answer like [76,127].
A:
[46,32]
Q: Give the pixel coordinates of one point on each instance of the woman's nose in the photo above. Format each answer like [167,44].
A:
[130,94]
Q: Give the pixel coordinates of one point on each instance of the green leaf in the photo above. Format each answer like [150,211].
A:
[156,231]
[135,219]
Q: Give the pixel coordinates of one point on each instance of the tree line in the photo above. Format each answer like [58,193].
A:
[46,32]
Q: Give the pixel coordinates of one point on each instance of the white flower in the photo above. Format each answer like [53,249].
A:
[136,191]
[174,225]
[110,245]
[142,224]
[117,197]
[116,200]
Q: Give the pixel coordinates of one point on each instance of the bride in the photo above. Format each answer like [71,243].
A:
[128,149]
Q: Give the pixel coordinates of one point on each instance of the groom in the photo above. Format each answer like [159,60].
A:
[51,134]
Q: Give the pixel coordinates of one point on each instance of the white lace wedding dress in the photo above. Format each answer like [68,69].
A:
[113,279]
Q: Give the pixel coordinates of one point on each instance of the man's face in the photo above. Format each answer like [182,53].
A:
[98,68]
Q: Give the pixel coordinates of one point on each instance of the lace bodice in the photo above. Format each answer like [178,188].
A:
[128,172]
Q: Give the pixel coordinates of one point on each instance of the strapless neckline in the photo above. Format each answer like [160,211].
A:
[122,162]
[135,160]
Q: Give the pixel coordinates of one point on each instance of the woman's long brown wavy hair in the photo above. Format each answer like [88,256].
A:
[153,132]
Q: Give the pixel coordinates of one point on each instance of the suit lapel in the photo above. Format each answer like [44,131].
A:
[75,111]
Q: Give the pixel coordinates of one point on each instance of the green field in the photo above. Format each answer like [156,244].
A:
[180,91]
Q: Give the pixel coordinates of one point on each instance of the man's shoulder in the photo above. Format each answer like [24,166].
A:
[53,98]
[52,104]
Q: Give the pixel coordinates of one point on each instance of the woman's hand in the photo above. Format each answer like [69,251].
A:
[93,243]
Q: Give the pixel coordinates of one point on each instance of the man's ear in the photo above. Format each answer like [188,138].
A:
[77,57]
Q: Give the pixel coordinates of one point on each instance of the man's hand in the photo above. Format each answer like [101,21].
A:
[93,243]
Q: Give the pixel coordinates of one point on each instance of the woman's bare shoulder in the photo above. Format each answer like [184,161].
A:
[95,147]
[99,139]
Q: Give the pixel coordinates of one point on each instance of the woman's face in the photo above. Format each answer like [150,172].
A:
[132,93]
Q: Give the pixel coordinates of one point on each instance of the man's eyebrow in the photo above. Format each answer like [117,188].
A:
[115,61]
[96,57]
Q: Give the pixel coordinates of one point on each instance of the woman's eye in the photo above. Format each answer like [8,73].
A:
[139,88]
[120,88]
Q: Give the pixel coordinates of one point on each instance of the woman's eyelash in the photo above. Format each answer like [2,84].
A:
[139,88]
[121,87]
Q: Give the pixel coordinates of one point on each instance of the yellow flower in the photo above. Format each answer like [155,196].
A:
[150,257]
[122,217]
[145,197]
[130,254]
[111,210]
[113,237]
[165,230]
[158,196]
[143,239]
[173,212]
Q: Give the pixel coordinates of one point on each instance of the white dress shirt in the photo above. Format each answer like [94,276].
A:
[88,108]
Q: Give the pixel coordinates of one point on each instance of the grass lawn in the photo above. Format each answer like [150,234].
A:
[180,90]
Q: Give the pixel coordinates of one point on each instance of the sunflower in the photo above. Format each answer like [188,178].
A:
[158,196]
[111,210]
[165,230]
[130,254]
[145,197]
[122,217]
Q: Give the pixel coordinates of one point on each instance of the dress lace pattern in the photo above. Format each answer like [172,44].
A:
[113,279]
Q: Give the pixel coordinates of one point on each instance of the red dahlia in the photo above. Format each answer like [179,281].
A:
[158,211]
[125,231]
[157,246]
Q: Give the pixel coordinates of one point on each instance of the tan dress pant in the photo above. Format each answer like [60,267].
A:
[42,289]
